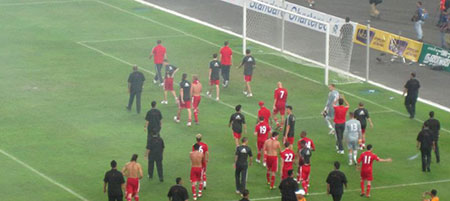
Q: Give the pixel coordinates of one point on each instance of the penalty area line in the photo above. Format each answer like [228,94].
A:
[43,175]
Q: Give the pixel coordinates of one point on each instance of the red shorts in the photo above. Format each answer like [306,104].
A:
[196,174]
[260,144]
[187,104]
[236,135]
[363,130]
[290,140]
[272,163]
[248,78]
[196,101]
[279,108]
[214,82]
[285,173]
[366,175]
[168,84]
[304,172]
[132,186]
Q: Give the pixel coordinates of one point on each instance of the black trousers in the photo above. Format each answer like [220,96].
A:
[339,135]
[115,198]
[159,167]
[410,104]
[134,93]
[436,152]
[241,177]
[336,197]
[426,159]
[158,76]
[225,70]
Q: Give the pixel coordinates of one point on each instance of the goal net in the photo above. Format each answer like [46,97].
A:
[300,39]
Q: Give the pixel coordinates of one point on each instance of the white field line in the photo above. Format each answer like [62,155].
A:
[152,73]
[136,38]
[274,66]
[373,188]
[43,175]
[39,3]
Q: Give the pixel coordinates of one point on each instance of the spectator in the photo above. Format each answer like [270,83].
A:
[336,181]
[135,83]
[373,8]
[434,126]
[115,182]
[288,187]
[432,194]
[178,192]
[153,122]
[412,93]
[444,28]
[155,150]
[245,195]
[419,17]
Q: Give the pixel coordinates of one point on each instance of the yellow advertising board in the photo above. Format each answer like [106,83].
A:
[388,42]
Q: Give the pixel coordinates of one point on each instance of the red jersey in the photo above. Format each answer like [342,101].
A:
[308,142]
[226,53]
[340,112]
[203,147]
[367,159]
[287,157]
[280,96]
[264,112]
[262,129]
[158,54]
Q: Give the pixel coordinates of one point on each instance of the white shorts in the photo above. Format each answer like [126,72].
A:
[353,145]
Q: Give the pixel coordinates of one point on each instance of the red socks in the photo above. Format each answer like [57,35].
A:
[272,182]
[362,187]
[136,198]
[196,115]
[200,187]
[305,186]
[268,177]
[259,156]
[368,190]
[194,192]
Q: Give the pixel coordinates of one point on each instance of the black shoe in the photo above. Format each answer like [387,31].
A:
[129,109]
[428,170]
[362,194]
[149,177]
[161,180]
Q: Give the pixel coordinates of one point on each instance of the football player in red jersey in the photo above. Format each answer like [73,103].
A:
[204,149]
[279,103]
[366,159]
[197,160]
[271,149]
[264,112]
[261,131]
[288,158]
[308,143]
[196,91]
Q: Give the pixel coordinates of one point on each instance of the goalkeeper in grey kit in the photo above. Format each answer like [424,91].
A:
[353,136]
[328,111]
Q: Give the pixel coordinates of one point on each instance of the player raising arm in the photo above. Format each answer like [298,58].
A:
[271,149]
[197,160]
[196,91]
[279,104]
[168,81]
[261,131]
[366,159]
[133,171]
[214,78]
[249,64]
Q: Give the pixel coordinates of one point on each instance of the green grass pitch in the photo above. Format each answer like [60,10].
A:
[63,82]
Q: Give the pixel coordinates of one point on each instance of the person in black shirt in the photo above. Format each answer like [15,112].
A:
[153,122]
[242,154]
[115,182]
[434,125]
[135,82]
[249,64]
[178,192]
[237,120]
[289,126]
[214,78]
[336,181]
[288,187]
[362,115]
[168,81]
[154,153]
[346,36]
[412,93]
[245,194]
[184,101]
[425,143]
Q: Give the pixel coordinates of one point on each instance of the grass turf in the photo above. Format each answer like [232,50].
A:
[64,114]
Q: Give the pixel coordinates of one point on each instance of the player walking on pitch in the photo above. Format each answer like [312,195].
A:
[366,159]
[168,81]
[353,136]
[288,158]
[289,126]
[262,129]
[340,112]
[279,103]
[214,78]
[271,149]
[304,165]
[362,115]
[197,160]
[237,121]
[203,149]
[196,91]
[133,171]
[249,64]
[159,54]
[264,112]
[184,99]
[226,55]
[328,111]
[308,142]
